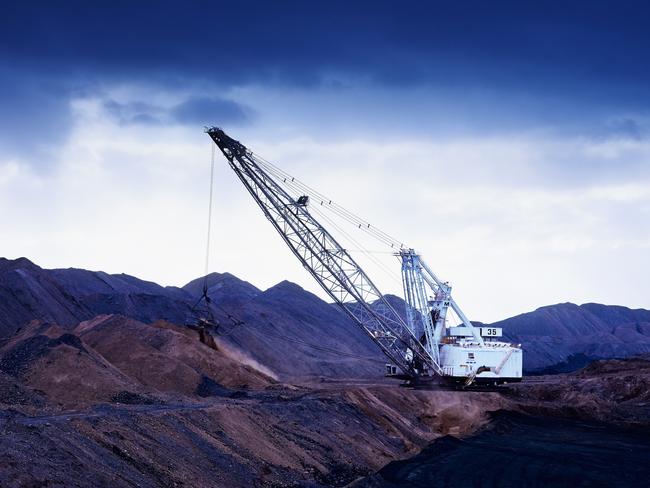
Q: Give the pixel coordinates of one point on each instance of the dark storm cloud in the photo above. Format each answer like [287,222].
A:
[593,53]
[626,129]
[134,112]
[34,113]
[193,111]
[206,110]
[296,42]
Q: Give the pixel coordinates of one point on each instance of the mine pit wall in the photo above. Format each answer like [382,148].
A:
[328,436]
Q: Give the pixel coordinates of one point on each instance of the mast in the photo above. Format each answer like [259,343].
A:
[328,262]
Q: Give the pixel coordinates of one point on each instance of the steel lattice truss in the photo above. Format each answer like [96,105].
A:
[428,316]
[418,310]
[328,262]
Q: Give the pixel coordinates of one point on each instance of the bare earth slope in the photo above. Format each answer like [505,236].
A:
[283,438]
[68,296]
[166,357]
[612,390]
[28,293]
[109,356]
[61,367]
[296,334]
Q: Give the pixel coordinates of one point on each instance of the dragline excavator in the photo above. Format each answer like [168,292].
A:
[423,346]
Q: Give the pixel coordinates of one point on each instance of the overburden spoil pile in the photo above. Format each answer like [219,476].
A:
[115,402]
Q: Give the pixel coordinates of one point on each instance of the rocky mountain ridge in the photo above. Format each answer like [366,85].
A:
[560,334]
[292,331]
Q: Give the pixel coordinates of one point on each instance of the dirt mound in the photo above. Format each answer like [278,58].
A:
[61,366]
[117,359]
[614,366]
[607,390]
[12,393]
[165,357]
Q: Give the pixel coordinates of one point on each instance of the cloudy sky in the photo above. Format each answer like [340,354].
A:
[508,143]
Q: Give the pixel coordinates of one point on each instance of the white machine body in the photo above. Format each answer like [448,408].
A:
[490,363]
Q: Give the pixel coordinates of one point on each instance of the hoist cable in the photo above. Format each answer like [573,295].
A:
[332,206]
[207,249]
[319,210]
[294,185]
[342,211]
[389,272]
